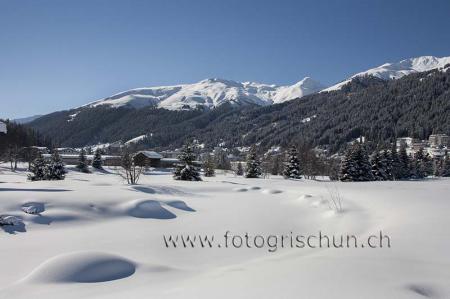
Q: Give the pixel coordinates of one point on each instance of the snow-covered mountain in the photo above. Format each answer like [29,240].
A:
[397,70]
[210,93]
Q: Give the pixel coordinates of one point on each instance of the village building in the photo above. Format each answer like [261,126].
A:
[147,158]
[67,151]
[3,128]
[439,140]
[436,146]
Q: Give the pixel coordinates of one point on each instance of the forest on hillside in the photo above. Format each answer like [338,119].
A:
[416,105]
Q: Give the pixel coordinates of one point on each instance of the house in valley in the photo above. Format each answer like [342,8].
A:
[147,158]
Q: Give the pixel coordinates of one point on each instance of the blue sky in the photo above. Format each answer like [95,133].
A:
[55,55]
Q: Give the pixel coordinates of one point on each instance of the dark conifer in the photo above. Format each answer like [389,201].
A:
[292,165]
[185,169]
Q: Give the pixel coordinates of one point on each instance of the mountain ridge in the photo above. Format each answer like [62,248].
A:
[396,70]
[209,93]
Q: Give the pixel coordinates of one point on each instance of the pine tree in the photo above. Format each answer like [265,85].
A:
[419,165]
[208,167]
[185,169]
[395,163]
[438,167]
[428,165]
[82,162]
[379,167]
[292,165]
[387,161]
[253,169]
[38,169]
[240,169]
[356,165]
[404,165]
[56,169]
[97,161]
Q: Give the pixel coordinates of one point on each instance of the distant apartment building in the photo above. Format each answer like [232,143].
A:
[67,151]
[436,146]
[407,141]
[439,140]
[3,127]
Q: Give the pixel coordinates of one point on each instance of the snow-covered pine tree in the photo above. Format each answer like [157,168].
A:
[56,169]
[356,165]
[292,165]
[208,167]
[253,169]
[38,169]
[379,166]
[240,169]
[82,162]
[404,166]
[185,169]
[97,161]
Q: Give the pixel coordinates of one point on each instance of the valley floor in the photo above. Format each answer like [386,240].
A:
[96,237]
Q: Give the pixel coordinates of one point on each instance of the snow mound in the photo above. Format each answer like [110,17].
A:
[33,208]
[241,189]
[179,204]
[255,188]
[82,267]
[271,191]
[148,209]
[304,196]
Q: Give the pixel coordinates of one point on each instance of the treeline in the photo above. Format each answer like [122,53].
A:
[16,144]
[390,165]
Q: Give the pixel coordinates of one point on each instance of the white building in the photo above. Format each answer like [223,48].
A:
[3,127]
[439,140]
[67,151]
[404,140]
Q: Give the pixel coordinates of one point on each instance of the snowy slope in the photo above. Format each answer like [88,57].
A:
[96,237]
[210,93]
[397,70]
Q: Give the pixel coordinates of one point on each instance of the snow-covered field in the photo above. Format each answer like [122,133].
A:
[96,237]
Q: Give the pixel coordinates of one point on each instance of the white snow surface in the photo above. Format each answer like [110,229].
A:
[210,93]
[97,237]
[397,70]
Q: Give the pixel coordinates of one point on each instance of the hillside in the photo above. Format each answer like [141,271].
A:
[415,105]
